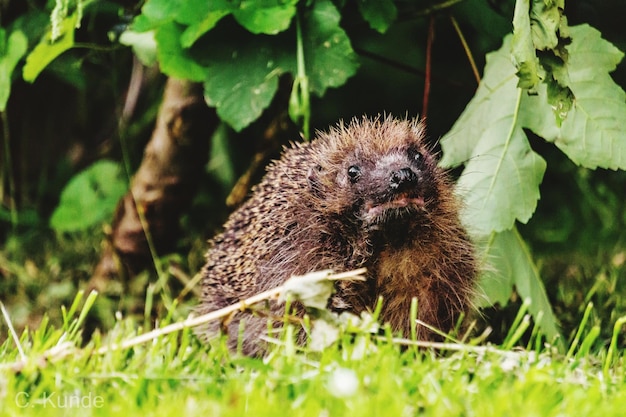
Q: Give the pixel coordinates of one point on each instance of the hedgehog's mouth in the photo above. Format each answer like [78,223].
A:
[400,207]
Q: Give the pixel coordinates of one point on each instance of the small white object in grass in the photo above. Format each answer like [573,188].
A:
[313,289]
[510,363]
[342,383]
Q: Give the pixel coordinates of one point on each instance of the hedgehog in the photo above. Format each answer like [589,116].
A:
[367,193]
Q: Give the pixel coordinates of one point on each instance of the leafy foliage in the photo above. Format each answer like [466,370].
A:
[48,49]
[12,48]
[90,197]
[540,34]
[502,173]
[512,266]
[240,71]
[380,14]
[592,135]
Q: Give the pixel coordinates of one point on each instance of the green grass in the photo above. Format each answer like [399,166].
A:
[518,374]
[360,375]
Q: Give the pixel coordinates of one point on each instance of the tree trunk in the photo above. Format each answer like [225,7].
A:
[164,185]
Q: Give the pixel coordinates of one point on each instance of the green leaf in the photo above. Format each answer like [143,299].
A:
[200,16]
[593,135]
[46,51]
[268,16]
[329,57]
[502,172]
[546,23]
[242,71]
[380,14]
[197,29]
[10,54]
[155,13]
[143,44]
[500,183]
[89,198]
[523,49]
[242,78]
[175,60]
[511,265]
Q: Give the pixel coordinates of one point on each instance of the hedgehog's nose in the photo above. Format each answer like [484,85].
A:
[402,179]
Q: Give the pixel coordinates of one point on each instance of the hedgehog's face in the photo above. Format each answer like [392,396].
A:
[392,187]
[378,189]
[379,175]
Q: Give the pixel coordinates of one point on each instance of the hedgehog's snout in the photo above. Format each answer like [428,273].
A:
[402,179]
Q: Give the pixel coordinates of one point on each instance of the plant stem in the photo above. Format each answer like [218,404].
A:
[466,48]
[9,170]
[427,76]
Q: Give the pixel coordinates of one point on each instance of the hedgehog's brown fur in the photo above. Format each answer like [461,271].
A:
[395,214]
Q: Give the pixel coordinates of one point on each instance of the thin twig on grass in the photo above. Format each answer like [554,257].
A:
[217,314]
[16,339]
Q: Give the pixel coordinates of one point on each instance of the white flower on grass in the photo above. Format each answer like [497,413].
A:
[342,383]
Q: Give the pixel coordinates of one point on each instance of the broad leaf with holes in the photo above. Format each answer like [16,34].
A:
[594,132]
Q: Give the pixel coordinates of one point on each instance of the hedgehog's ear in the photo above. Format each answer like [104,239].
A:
[313,178]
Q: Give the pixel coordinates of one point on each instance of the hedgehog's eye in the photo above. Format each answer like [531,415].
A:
[415,155]
[354,173]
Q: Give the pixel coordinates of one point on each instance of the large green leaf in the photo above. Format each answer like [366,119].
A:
[380,14]
[200,16]
[90,197]
[242,71]
[47,50]
[242,78]
[500,183]
[523,49]
[265,16]
[329,57]
[502,172]
[173,59]
[511,265]
[594,133]
[12,50]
